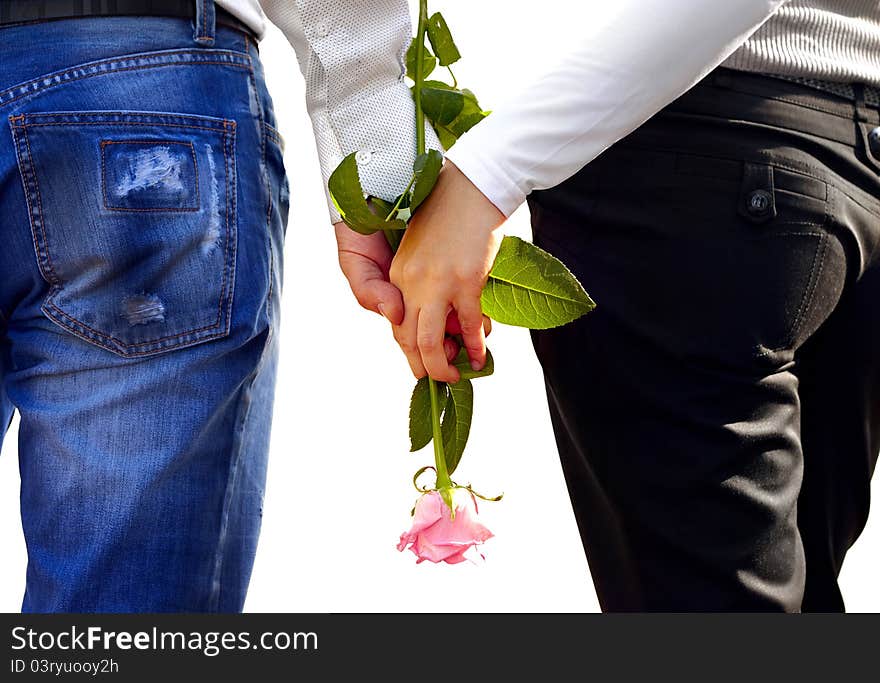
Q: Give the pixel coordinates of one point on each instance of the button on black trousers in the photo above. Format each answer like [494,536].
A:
[718,414]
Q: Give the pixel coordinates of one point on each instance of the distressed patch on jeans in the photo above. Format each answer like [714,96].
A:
[143,308]
[211,238]
[149,175]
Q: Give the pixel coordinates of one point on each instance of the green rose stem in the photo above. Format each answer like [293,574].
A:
[443,480]
[526,286]
[421,31]
[444,483]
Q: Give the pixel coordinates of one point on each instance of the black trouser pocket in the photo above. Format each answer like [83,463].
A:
[711,257]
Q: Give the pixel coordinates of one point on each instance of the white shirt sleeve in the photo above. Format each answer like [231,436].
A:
[643,57]
[352,55]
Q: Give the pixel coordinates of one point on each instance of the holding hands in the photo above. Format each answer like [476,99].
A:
[433,261]
[440,268]
[432,286]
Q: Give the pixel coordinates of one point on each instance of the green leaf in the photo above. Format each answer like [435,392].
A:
[442,105]
[471,114]
[456,424]
[426,168]
[468,117]
[381,207]
[463,363]
[530,288]
[441,40]
[447,137]
[348,197]
[429,62]
[464,122]
[420,413]
[471,99]
[440,85]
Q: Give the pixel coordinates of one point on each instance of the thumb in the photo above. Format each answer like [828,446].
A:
[370,287]
[383,298]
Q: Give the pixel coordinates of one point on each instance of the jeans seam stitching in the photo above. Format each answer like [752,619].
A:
[198,336]
[50,275]
[96,71]
[231,231]
[275,135]
[252,83]
[203,22]
[216,129]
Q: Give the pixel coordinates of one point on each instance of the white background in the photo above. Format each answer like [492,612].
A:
[339,490]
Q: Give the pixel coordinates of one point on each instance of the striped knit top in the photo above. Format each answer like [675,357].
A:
[834,40]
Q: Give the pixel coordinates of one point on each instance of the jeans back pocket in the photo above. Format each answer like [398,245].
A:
[134,224]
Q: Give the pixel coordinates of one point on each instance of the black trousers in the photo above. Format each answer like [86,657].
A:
[718,414]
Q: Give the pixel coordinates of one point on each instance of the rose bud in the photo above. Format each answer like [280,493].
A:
[437,535]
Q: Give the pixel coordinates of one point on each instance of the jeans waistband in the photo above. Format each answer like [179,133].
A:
[33,52]
[200,11]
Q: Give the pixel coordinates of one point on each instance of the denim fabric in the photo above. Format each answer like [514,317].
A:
[143,203]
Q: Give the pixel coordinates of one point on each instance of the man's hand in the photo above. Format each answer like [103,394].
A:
[440,268]
[365,260]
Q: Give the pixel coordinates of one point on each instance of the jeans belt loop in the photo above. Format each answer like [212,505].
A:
[205,23]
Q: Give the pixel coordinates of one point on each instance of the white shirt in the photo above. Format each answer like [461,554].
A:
[351,54]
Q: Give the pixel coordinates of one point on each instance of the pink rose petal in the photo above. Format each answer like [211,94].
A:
[436,537]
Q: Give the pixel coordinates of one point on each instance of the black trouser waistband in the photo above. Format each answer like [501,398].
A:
[22,11]
[766,99]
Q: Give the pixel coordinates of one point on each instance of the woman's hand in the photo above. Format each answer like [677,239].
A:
[441,268]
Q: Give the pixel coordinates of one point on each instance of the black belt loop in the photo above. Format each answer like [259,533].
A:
[205,24]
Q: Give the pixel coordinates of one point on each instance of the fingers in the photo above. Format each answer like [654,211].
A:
[420,335]
[470,318]
[380,297]
[370,287]
[449,348]
[431,331]
[453,326]
[389,302]
[406,335]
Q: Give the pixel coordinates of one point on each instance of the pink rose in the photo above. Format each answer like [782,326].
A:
[435,536]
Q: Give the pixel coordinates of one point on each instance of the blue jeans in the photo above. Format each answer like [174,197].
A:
[143,203]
